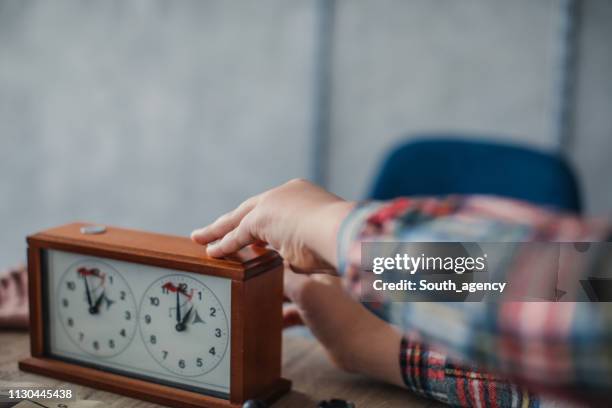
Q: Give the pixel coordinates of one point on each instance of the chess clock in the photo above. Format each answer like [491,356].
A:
[153,317]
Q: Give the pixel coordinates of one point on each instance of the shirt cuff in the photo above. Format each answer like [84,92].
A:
[350,231]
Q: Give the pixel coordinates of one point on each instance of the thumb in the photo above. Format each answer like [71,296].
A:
[293,284]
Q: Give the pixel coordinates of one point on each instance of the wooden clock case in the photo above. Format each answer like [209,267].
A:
[256,312]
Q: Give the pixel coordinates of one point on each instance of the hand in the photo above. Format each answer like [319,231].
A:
[14,298]
[297,219]
[355,339]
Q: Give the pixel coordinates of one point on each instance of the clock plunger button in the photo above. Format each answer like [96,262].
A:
[93,229]
[254,404]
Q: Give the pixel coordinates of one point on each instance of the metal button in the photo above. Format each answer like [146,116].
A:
[93,229]
[254,404]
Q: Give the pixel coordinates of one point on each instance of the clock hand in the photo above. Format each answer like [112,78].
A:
[183,324]
[184,321]
[99,301]
[92,309]
[180,289]
[178,307]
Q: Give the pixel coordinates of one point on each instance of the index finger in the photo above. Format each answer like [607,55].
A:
[224,224]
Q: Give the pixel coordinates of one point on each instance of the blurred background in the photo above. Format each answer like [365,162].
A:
[162,115]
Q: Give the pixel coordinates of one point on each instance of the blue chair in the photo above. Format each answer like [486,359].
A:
[440,166]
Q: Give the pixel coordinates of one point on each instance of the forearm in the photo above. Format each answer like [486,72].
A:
[383,353]
[355,339]
[374,350]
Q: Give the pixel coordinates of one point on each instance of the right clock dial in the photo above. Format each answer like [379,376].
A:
[183,325]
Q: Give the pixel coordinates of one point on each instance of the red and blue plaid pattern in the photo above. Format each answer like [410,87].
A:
[563,348]
[431,374]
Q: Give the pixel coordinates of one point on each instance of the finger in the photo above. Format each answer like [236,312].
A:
[224,224]
[233,241]
[292,317]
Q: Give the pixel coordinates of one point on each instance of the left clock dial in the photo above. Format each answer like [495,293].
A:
[96,308]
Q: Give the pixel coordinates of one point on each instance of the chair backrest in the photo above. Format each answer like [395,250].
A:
[440,166]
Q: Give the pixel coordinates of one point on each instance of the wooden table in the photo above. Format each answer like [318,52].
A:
[304,362]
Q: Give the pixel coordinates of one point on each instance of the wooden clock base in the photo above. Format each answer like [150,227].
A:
[139,389]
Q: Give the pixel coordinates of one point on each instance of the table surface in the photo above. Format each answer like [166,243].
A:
[304,362]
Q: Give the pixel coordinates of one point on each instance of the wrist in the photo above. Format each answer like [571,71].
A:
[322,227]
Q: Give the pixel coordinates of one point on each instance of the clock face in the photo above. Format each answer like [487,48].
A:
[183,325]
[96,308]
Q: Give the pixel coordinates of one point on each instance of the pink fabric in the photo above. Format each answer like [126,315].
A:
[14,298]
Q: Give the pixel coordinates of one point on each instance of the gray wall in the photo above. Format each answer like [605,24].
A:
[149,114]
[161,115]
[476,67]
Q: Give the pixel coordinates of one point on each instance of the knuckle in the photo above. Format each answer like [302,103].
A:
[230,237]
[222,219]
[225,240]
[245,204]
[297,180]
[255,222]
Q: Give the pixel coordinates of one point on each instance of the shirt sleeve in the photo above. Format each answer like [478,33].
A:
[432,374]
[561,347]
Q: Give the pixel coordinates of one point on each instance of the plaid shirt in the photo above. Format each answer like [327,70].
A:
[564,348]
[433,374]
